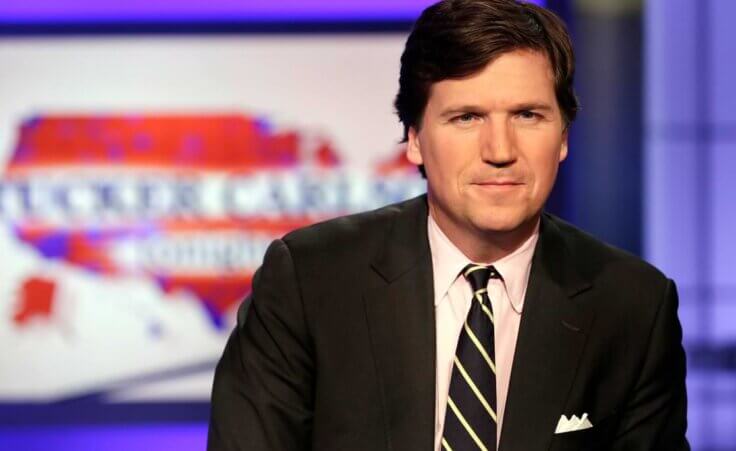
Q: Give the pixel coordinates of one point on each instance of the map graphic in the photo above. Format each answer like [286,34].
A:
[145,231]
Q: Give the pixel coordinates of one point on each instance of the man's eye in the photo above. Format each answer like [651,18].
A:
[526,114]
[464,118]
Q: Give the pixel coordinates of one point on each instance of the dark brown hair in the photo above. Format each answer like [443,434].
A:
[457,38]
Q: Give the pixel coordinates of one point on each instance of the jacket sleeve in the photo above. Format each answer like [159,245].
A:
[655,417]
[262,396]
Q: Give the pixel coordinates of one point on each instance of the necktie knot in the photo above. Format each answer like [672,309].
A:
[478,275]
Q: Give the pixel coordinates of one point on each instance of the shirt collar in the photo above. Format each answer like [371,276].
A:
[448,261]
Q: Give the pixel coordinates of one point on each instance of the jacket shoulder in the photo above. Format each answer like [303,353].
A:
[596,258]
[350,236]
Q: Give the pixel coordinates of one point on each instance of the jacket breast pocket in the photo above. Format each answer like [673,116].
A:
[596,438]
[574,441]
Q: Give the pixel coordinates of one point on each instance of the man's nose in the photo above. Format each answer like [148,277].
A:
[496,144]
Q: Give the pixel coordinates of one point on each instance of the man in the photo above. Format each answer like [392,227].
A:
[465,319]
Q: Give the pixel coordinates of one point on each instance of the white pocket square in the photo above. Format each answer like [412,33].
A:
[573,424]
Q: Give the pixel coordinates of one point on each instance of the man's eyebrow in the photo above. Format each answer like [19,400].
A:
[532,106]
[456,109]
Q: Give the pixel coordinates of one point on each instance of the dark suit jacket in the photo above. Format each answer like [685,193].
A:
[337,350]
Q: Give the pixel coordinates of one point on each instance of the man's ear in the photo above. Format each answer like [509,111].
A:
[563,146]
[413,152]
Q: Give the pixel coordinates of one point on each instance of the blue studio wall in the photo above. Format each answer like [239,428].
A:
[690,212]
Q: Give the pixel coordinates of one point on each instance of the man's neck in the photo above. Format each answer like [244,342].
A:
[483,246]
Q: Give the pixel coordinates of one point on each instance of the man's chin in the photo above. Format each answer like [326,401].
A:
[507,225]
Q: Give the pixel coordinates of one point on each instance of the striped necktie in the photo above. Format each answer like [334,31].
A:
[470,419]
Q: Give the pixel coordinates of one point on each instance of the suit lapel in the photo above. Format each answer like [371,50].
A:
[400,314]
[552,335]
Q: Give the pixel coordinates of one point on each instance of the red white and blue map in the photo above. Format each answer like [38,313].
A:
[132,239]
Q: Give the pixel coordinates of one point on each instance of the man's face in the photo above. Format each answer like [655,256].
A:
[491,144]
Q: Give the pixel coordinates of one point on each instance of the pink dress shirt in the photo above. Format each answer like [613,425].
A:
[452,298]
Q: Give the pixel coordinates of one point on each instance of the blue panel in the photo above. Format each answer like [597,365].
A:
[722,87]
[711,415]
[723,312]
[186,437]
[30,11]
[671,198]
[723,203]
[691,218]
[669,60]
